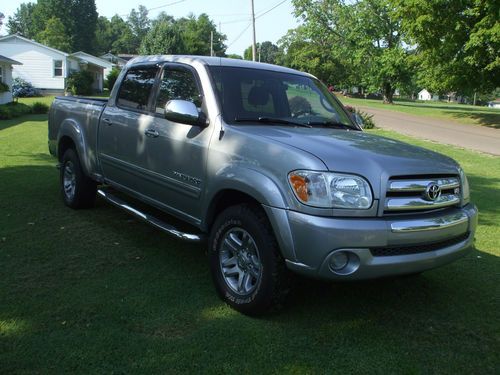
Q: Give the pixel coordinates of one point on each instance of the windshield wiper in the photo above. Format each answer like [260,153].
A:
[331,123]
[271,120]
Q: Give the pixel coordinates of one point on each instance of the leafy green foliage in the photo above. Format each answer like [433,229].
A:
[55,35]
[23,89]
[78,18]
[80,83]
[163,38]
[39,108]
[4,87]
[195,33]
[267,52]
[458,42]
[12,110]
[111,78]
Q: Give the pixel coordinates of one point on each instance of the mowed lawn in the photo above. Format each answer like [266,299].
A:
[467,114]
[95,291]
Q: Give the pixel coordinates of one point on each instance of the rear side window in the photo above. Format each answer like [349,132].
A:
[177,83]
[136,86]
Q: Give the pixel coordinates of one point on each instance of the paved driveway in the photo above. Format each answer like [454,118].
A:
[473,137]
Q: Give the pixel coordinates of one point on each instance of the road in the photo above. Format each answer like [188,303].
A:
[474,137]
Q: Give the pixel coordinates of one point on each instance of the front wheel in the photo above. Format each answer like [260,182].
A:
[78,190]
[248,270]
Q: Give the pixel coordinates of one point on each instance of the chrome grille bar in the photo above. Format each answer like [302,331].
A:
[421,184]
[418,203]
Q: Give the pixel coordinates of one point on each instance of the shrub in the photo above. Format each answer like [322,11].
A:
[111,78]
[11,110]
[39,108]
[368,122]
[23,89]
[4,87]
[80,83]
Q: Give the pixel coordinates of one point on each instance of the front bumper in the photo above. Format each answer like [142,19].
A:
[376,247]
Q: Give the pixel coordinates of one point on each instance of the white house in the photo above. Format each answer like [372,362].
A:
[47,68]
[114,59]
[426,95]
[494,103]
[6,78]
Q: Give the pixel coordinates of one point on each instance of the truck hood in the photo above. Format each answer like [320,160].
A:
[374,157]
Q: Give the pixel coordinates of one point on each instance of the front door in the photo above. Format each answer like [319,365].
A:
[177,155]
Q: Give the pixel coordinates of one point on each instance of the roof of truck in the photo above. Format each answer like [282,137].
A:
[213,61]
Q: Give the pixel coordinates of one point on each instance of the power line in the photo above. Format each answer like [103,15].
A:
[240,35]
[269,10]
[157,7]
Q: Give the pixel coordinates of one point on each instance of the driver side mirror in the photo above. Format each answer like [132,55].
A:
[184,112]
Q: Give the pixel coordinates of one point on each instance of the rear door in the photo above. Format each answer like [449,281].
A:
[123,130]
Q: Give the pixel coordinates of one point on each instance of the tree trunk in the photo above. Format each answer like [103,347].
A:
[388,93]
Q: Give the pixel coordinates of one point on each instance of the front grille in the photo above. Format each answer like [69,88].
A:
[416,249]
[421,193]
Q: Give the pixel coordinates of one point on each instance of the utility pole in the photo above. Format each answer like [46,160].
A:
[253,28]
[211,43]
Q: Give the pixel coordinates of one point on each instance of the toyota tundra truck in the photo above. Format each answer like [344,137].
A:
[265,167]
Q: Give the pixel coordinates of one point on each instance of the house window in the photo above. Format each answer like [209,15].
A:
[58,68]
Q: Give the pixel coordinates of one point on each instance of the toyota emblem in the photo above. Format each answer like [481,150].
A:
[432,192]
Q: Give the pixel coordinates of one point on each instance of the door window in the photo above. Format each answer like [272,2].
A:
[135,89]
[177,83]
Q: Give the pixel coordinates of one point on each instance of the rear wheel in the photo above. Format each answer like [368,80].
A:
[78,190]
[248,270]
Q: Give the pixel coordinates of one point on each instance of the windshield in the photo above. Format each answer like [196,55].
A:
[248,95]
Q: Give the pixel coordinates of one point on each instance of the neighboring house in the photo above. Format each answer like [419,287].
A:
[495,103]
[117,61]
[6,77]
[426,95]
[95,61]
[47,68]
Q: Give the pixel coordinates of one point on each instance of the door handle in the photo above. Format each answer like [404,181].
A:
[152,133]
[107,121]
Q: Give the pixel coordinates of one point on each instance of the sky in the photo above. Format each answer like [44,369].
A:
[233,17]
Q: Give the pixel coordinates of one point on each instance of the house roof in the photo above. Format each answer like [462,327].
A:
[117,59]
[12,36]
[92,59]
[9,61]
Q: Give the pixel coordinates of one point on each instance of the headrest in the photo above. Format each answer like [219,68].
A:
[258,96]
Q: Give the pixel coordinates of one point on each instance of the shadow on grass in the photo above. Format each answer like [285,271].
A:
[96,291]
[5,124]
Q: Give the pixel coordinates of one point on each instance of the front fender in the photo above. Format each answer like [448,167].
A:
[261,188]
[71,129]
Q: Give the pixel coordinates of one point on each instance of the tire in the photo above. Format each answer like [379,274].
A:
[78,190]
[247,268]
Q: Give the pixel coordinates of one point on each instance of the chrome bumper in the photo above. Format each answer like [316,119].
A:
[434,223]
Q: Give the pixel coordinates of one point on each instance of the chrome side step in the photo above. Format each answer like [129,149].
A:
[150,219]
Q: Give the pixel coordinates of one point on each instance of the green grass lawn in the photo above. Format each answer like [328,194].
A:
[95,291]
[467,114]
[49,98]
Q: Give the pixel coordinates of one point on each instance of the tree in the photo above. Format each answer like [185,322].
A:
[84,16]
[196,35]
[458,43]
[139,24]
[163,38]
[55,35]
[363,36]
[122,37]
[21,22]
[234,56]
[267,52]
[2,17]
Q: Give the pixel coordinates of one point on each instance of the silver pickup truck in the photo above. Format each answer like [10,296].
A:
[268,168]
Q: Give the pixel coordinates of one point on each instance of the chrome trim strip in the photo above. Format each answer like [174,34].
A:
[435,223]
[417,203]
[421,185]
[150,219]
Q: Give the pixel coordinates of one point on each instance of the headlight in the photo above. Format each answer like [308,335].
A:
[465,187]
[331,190]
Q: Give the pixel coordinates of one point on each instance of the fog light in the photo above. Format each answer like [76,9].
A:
[338,261]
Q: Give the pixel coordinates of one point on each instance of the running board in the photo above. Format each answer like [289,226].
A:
[150,219]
